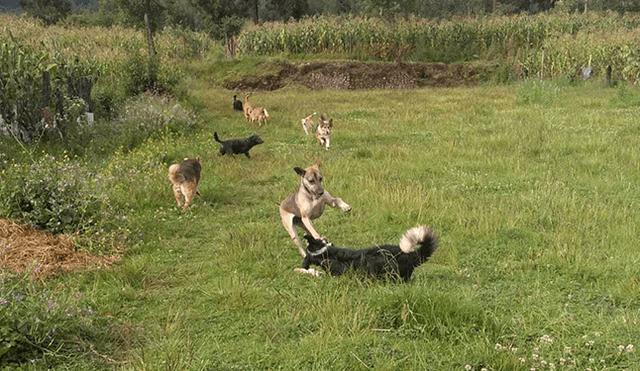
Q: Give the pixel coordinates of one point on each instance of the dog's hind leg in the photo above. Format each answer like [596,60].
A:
[189,189]
[305,224]
[177,193]
[288,222]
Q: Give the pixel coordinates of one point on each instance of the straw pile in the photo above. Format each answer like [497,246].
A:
[45,254]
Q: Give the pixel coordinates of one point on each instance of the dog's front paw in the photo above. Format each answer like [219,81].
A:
[345,208]
[310,271]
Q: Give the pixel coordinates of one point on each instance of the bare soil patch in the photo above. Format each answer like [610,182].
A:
[45,254]
[362,75]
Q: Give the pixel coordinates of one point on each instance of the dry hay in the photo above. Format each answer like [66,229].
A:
[45,254]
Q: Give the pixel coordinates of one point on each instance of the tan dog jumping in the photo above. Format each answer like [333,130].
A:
[307,203]
[185,178]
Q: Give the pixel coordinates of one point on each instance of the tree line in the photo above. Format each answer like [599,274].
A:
[223,18]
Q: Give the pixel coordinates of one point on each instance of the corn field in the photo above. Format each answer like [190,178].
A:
[550,45]
[105,45]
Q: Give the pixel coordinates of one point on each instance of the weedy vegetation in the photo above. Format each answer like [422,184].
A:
[532,188]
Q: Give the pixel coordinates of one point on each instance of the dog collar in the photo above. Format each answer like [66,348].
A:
[319,252]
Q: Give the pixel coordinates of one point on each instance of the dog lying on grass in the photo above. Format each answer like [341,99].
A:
[307,203]
[185,178]
[237,146]
[379,261]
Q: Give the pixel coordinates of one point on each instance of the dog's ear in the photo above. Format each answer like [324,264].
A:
[317,164]
[331,123]
[300,171]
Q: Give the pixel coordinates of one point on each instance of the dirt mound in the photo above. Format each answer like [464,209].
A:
[46,254]
[361,75]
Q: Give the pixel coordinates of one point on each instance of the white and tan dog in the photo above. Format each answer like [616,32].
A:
[323,131]
[307,123]
[307,203]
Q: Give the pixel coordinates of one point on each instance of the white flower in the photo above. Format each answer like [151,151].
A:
[630,348]
[498,346]
[467,367]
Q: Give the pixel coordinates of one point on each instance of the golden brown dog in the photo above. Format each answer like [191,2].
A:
[185,178]
[259,114]
[307,203]
[247,107]
[323,131]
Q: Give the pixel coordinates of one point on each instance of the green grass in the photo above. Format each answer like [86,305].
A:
[532,189]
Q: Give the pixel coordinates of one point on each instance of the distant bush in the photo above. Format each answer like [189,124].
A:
[538,92]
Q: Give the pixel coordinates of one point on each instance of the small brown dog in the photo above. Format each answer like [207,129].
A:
[307,203]
[259,114]
[247,107]
[323,131]
[307,123]
[185,178]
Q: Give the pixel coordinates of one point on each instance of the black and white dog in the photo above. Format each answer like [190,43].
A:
[237,146]
[379,261]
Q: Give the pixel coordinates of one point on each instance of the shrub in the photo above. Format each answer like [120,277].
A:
[52,195]
[538,92]
[145,116]
[41,326]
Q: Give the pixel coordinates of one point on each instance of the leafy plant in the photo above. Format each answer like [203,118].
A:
[41,326]
[53,195]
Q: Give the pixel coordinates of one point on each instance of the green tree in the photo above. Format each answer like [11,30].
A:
[49,11]
[285,9]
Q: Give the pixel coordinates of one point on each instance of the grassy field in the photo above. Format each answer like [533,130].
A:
[532,188]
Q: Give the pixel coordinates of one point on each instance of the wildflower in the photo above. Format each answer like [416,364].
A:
[522,360]
[3,302]
[630,348]
[498,346]
[620,348]
[591,360]
[589,343]
[567,350]
[543,363]
[546,339]
[467,367]
[562,361]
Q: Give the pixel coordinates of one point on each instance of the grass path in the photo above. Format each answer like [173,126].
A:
[533,190]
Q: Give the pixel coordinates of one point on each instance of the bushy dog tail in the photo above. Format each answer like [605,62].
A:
[423,236]
[215,136]
[173,173]
[266,114]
